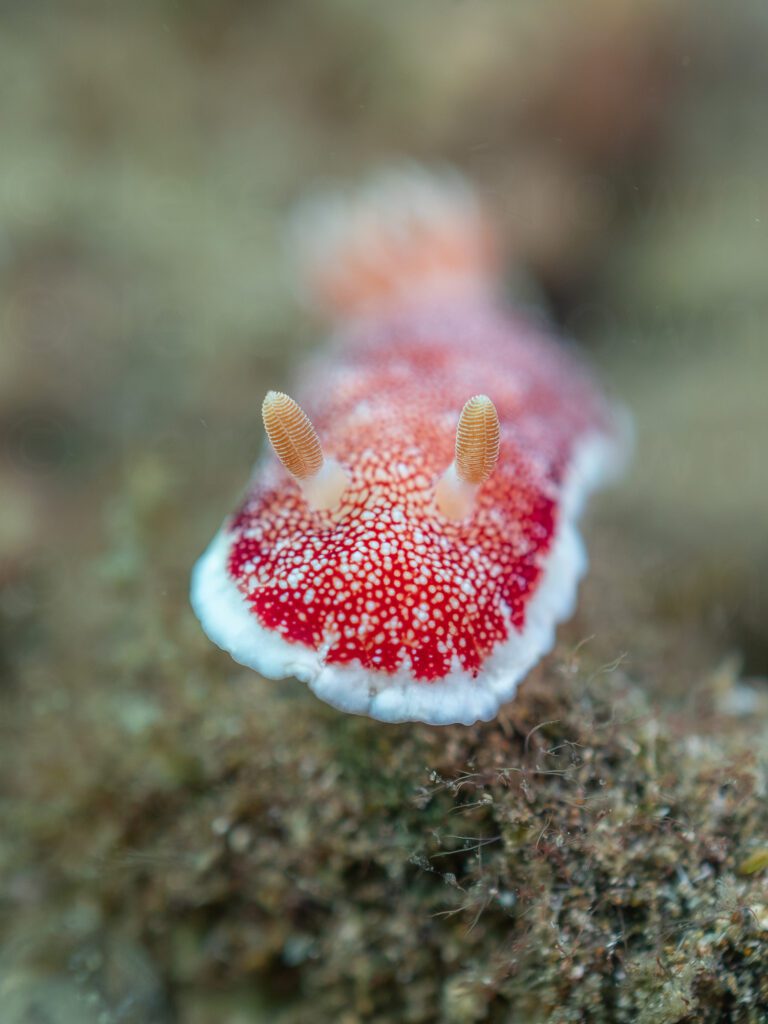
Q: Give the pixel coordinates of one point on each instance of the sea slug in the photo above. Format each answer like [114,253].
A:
[408,544]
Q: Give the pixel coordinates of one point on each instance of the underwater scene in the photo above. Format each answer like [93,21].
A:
[383,512]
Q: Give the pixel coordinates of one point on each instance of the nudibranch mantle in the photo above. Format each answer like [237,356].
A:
[383,604]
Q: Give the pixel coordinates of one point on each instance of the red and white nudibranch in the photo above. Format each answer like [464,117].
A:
[409,544]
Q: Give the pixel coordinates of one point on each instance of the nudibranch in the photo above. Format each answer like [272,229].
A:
[408,542]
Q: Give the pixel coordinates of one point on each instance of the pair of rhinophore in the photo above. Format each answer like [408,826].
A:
[323,480]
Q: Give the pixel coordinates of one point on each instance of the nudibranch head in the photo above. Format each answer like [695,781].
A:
[412,547]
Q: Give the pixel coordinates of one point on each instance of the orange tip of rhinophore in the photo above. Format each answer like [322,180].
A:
[293,438]
[295,442]
[477,440]
[477,452]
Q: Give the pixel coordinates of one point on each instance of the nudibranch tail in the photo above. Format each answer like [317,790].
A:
[406,234]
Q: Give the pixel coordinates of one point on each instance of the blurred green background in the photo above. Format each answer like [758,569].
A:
[149,154]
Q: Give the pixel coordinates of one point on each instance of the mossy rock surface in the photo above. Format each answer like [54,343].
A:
[581,858]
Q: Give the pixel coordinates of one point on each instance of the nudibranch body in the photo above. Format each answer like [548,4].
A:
[413,545]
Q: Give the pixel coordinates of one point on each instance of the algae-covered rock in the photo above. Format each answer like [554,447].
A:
[583,857]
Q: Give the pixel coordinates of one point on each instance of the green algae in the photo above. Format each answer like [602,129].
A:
[577,859]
